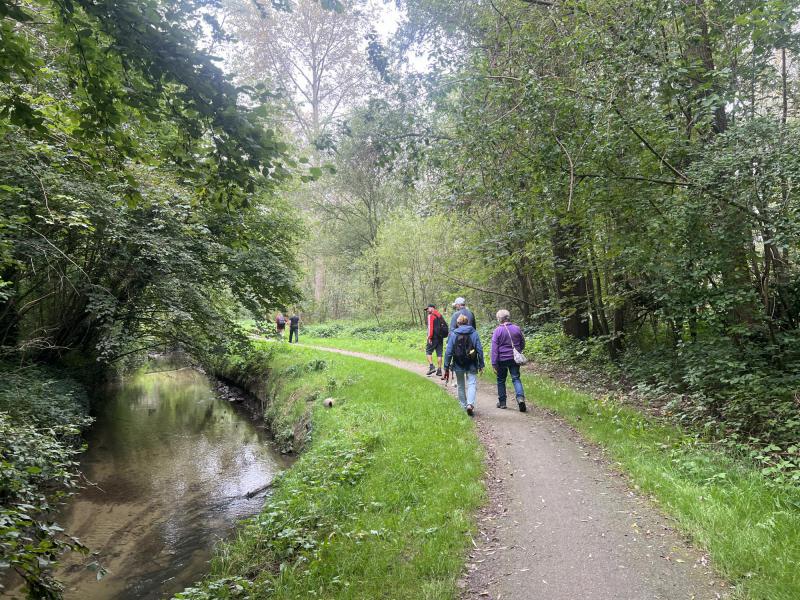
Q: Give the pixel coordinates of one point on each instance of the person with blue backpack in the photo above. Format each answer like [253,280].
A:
[465,354]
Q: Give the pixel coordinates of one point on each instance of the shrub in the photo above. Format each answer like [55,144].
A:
[41,415]
[37,471]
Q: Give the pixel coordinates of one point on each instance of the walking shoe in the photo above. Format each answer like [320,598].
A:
[521,405]
[501,404]
[438,372]
[470,410]
[431,370]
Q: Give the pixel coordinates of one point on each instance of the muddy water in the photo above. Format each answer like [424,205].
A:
[171,465]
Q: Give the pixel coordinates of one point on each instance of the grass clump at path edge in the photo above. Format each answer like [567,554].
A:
[379,505]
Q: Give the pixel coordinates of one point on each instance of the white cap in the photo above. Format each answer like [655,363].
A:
[458,301]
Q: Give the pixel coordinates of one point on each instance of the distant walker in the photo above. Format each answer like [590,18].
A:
[294,328]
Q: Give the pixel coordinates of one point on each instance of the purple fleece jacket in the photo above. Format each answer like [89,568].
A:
[501,342]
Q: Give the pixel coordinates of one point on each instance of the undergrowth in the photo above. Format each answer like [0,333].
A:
[41,415]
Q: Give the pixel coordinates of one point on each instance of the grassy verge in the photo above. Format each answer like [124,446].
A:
[403,343]
[380,503]
[749,524]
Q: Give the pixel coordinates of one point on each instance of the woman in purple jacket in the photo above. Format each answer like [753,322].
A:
[505,338]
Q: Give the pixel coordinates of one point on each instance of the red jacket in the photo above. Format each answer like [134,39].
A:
[431,319]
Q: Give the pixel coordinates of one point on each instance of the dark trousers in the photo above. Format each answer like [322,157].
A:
[293,331]
[504,367]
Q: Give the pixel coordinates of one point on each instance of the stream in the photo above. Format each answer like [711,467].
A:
[170,464]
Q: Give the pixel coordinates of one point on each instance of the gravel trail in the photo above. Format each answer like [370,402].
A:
[562,523]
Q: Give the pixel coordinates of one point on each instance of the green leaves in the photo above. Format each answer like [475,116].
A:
[126,64]
[37,470]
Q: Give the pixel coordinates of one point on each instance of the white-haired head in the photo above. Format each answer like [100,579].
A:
[503,316]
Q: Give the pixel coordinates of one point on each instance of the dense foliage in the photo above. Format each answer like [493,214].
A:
[137,187]
[41,413]
[632,168]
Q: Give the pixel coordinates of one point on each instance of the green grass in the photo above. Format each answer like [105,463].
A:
[380,504]
[749,525]
[402,343]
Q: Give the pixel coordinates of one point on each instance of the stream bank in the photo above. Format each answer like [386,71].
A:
[384,490]
[170,467]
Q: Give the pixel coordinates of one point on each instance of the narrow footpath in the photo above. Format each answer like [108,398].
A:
[561,523]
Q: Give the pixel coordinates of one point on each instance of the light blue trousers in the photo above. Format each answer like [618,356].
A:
[468,392]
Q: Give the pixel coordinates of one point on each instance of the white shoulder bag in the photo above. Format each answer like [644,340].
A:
[519,357]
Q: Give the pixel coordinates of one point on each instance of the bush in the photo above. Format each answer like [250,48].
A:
[42,396]
[41,415]
[324,330]
[37,471]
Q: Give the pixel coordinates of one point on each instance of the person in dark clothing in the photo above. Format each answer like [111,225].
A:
[435,340]
[460,306]
[294,328]
[507,338]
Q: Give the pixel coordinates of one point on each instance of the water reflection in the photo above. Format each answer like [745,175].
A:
[171,464]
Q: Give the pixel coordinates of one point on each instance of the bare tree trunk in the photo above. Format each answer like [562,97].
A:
[319,279]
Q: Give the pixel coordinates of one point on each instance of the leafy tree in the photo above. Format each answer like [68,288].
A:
[636,154]
[138,196]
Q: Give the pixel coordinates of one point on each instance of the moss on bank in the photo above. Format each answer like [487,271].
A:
[381,502]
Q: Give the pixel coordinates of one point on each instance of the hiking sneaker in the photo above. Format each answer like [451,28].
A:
[431,370]
[439,373]
[521,405]
[470,410]
[501,404]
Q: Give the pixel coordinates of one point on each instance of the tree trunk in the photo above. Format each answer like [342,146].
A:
[9,323]
[570,280]
[524,292]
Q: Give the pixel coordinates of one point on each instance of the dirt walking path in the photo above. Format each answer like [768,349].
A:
[561,523]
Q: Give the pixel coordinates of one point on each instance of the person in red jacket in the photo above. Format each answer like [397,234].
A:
[436,335]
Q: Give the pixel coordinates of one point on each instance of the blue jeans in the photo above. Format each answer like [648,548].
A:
[503,368]
[467,393]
